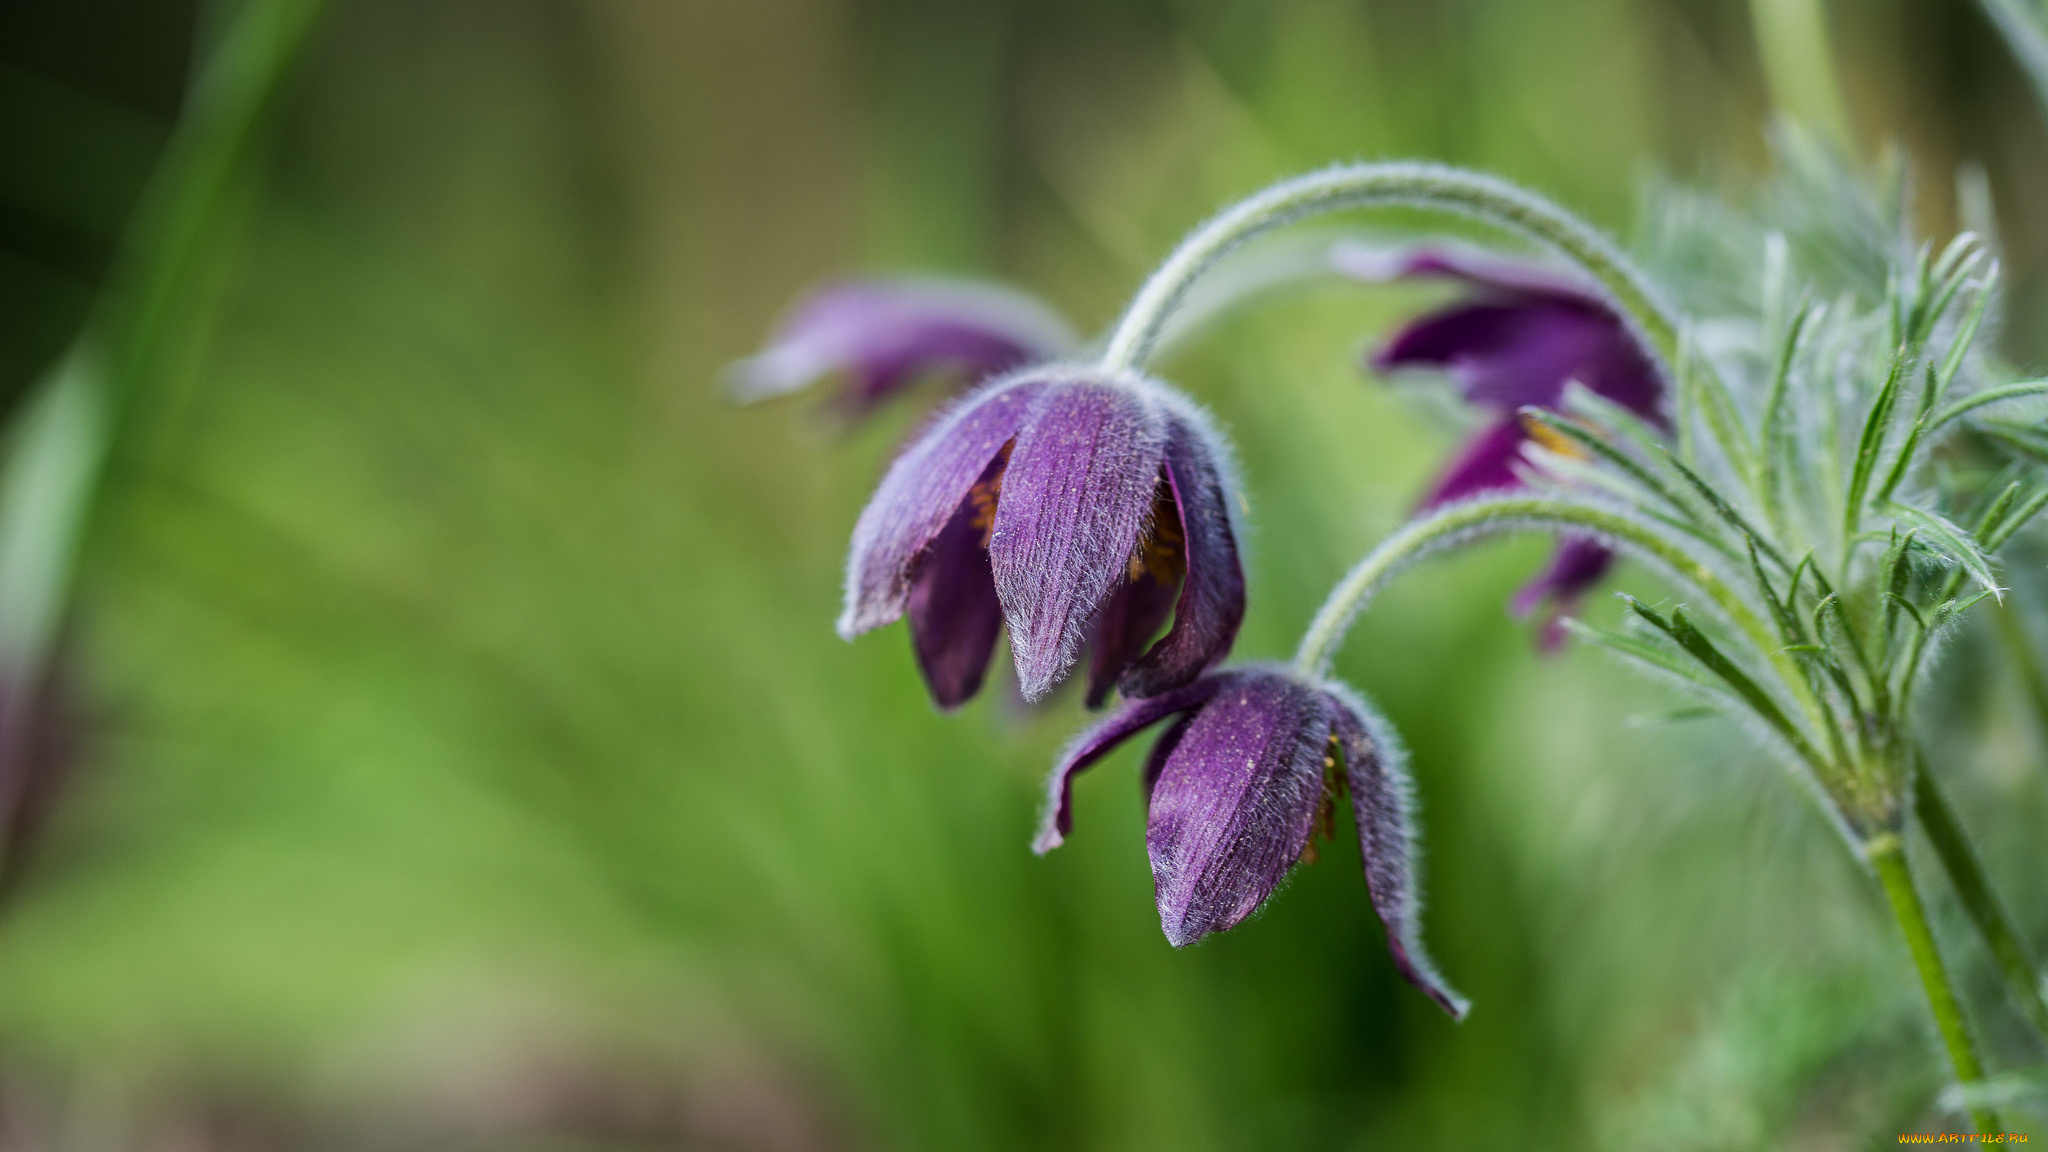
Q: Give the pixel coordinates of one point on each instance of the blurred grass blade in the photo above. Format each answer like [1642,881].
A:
[59,442]
[66,429]
[186,195]
[2025,28]
[1792,39]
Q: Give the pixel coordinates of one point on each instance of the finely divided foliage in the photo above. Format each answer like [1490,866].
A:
[1827,473]
[1795,421]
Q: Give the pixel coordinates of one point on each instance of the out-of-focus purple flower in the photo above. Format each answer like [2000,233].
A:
[1071,506]
[1235,789]
[1517,339]
[877,337]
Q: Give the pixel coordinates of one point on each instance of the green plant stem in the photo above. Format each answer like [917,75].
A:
[1460,523]
[1887,855]
[1966,872]
[1433,186]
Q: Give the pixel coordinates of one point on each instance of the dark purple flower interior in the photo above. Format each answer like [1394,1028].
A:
[1518,340]
[953,610]
[1093,513]
[1235,788]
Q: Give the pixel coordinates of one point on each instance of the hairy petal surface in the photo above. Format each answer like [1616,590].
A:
[1096,742]
[1076,498]
[920,495]
[1376,775]
[1212,593]
[879,335]
[953,610]
[1235,802]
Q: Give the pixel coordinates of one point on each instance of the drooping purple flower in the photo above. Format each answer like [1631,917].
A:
[1523,332]
[877,337]
[1071,507]
[1235,788]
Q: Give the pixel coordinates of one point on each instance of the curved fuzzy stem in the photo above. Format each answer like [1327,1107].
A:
[1887,855]
[1493,516]
[1416,185]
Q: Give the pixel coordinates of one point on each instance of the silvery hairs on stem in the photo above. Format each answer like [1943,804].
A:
[1815,454]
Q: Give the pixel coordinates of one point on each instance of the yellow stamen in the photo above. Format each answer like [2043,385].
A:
[1550,438]
[1162,551]
[987,494]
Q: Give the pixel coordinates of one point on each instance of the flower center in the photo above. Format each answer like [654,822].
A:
[988,492]
[1548,437]
[1162,551]
[1325,827]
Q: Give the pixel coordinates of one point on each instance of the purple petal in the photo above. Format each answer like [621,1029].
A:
[920,495]
[1380,799]
[1162,751]
[1235,803]
[880,335]
[1076,497]
[1510,354]
[1096,742]
[1579,563]
[1486,464]
[1127,623]
[1527,331]
[953,610]
[1212,595]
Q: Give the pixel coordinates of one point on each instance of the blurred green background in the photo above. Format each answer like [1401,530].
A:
[466,759]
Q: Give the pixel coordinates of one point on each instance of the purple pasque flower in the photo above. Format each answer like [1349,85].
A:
[1071,506]
[1521,334]
[879,336]
[1235,790]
